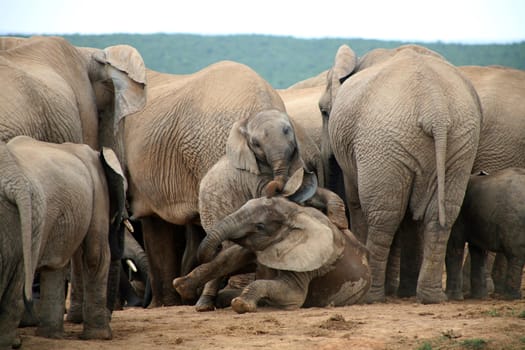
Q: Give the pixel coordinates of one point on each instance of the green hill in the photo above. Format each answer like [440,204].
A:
[280,60]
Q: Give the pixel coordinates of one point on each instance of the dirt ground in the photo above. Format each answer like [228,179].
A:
[396,324]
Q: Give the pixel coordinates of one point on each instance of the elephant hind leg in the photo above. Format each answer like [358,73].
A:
[286,293]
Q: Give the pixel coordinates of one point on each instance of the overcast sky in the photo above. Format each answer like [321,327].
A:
[466,21]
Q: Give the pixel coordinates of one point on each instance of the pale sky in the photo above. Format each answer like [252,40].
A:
[465,21]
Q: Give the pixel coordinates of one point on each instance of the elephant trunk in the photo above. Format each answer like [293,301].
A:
[280,169]
[229,228]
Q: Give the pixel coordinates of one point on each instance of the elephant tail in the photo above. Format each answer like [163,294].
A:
[23,202]
[440,144]
[17,190]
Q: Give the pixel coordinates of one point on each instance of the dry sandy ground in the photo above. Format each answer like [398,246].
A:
[397,324]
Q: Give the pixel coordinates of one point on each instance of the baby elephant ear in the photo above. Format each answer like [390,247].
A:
[238,151]
[305,248]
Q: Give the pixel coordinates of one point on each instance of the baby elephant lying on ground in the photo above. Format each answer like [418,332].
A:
[492,218]
[57,202]
[306,260]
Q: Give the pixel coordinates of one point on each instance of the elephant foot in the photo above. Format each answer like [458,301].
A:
[455,295]
[511,295]
[48,332]
[184,287]
[17,343]
[375,296]
[225,297]
[205,303]
[241,306]
[96,333]
[74,315]
[432,296]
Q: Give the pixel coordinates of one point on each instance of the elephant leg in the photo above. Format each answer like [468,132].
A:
[228,261]
[513,277]
[96,259]
[287,293]
[499,270]
[478,281]
[411,242]
[76,294]
[193,235]
[160,241]
[52,301]
[491,256]
[455,268]
[393,267]
[430,281]
[11,304]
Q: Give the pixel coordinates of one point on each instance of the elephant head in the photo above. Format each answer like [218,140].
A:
[265,144]
[282,234]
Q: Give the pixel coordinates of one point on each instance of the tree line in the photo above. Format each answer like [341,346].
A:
[281,60]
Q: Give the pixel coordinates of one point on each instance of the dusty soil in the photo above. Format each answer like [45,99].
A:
[397,324]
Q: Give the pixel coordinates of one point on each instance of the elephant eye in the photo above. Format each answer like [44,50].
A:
[260,226]
[255,143]
[286,130]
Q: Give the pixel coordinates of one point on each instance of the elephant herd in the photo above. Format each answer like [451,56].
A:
[324,193]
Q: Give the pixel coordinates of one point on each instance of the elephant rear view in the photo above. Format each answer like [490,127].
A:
[57,201]
[404,126]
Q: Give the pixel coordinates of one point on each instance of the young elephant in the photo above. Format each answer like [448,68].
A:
[306,259]
[492,218]
[57,201]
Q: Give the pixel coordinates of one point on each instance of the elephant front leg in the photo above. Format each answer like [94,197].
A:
[286,293]
[52,302]
[161,241]
[228,261]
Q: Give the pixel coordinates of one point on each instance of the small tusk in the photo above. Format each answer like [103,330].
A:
[128,225]
[131,265]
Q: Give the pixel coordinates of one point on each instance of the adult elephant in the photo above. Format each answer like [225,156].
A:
[171,144]
[58,201]
[56,92]
[404,126]
[304,257]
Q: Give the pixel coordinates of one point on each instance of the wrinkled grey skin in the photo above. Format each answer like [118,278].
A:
[501,91]
[403,125]
[295,247]
[261,151]
[492,218]
[57,92]
[171,144]
[55,203]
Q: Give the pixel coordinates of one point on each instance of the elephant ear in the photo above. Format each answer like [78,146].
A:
[127,70]
[344,63]
[301,186]
[238,151]
[308,246]
[117,187]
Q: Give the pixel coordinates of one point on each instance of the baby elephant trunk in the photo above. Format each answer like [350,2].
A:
[227,229]
[280,171]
